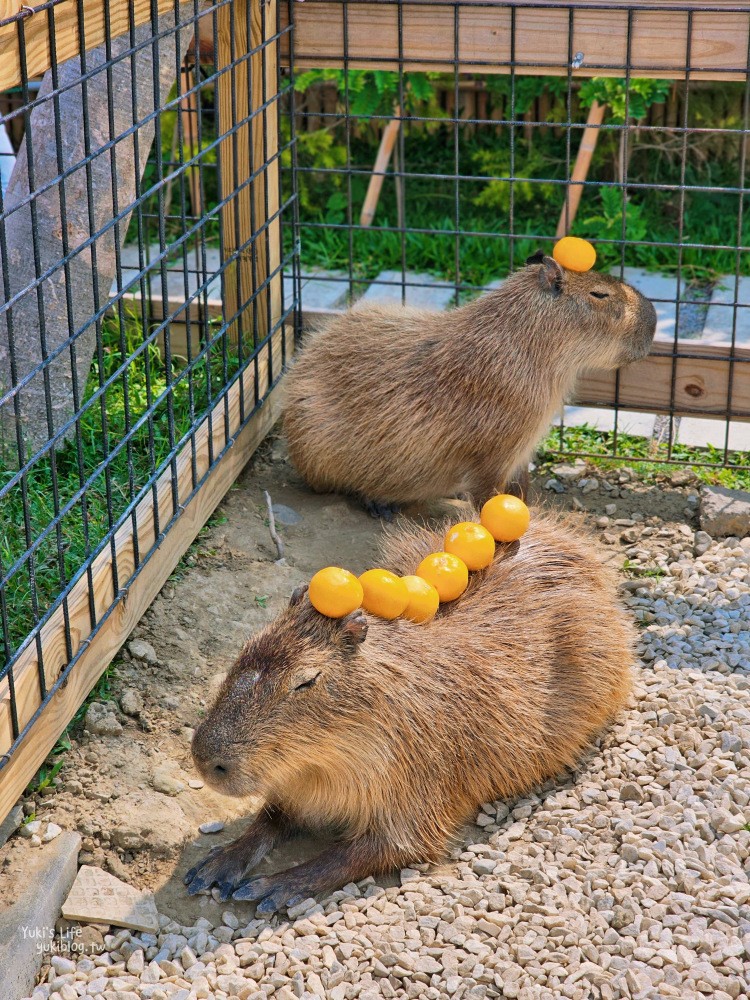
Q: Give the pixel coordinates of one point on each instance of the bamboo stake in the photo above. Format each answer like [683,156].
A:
[375,186]
[581,168]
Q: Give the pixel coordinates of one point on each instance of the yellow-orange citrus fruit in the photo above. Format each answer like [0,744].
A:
[385,594]
[335,592]
[423,599]
[447,573]
[472,543]
[505,517]
[574,253]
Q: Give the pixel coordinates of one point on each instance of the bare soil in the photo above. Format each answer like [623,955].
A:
[228,586]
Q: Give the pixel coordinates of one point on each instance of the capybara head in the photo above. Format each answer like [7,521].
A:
[289,686]
[613,323]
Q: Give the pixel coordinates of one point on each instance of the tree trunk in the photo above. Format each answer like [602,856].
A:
[42,320]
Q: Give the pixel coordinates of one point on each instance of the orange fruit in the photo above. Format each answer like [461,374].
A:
[505,517]
[472,543]
[574,253]
[385,594]
[423,599]
[335,592]
[447,573]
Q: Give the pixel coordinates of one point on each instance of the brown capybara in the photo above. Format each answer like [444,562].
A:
[392,734]
[397,405]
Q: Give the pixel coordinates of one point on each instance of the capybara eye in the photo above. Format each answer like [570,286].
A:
[308,683]
[600,295]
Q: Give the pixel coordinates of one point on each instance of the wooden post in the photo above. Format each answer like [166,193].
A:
[581,167]
[387,142]
[244,86]
[190,108]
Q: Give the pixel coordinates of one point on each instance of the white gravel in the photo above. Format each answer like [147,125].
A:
[628,880]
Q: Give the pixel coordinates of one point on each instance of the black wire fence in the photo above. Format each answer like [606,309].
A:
[179,192]
[142,327]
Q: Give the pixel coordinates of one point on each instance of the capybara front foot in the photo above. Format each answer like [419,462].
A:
[225,867]
[333,868]
[386,511]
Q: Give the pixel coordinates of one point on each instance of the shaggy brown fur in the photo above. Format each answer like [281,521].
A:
[394,741]
[396,404]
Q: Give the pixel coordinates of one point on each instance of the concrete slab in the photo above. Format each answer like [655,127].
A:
[323,291]
[720,318]
[629,422]
[422,290]
[175,273]
[26,927]
[699,433]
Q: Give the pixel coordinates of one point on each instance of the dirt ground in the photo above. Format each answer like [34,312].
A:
[227,587]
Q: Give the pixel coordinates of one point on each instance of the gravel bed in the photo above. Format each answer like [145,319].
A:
[629,879]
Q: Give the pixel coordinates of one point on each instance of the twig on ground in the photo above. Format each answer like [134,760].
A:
[272,528]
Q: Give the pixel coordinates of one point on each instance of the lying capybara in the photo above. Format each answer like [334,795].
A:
[397,405]
[392,734]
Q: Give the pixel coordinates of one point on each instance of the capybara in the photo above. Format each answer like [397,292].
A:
[392,734]
[395,404]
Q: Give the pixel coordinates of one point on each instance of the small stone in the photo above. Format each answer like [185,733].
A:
[139,649]
[630,792]
[31,829]
[724,512]
[285,515]
[101,720]
[52,831]
[136,963]
[682,477]
[215,826]
[195,783]
[555,485]
[131,702]
[610,509]
[62,966]
[164,781]
[11,823]
[730,743]
[589,485]
[569,472]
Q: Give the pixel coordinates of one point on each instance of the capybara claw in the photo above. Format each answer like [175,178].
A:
[221,868]
[270,894]
[386,511]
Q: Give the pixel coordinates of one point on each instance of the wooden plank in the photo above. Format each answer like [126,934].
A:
[701,384]
[30,754]
[233,100]
[249,82]
[64,20]
[658,48]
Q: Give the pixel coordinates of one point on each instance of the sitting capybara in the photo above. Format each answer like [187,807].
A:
[396,405]
[392,734]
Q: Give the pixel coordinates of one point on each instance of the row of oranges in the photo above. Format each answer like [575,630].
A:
[440,577]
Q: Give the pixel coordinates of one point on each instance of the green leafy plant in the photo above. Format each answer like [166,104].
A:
[625,100]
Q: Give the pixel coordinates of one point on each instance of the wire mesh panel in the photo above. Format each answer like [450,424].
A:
[443,142]
[142,322]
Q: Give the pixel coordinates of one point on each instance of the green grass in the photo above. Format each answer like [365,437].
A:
[143,385]
[651,462]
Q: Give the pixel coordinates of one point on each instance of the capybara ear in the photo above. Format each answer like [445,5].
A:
[354,628]
[551,276]
[535,258]
[297,594]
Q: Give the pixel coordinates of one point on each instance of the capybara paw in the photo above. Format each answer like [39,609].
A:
[271,892]
[386,511]
[222,868]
